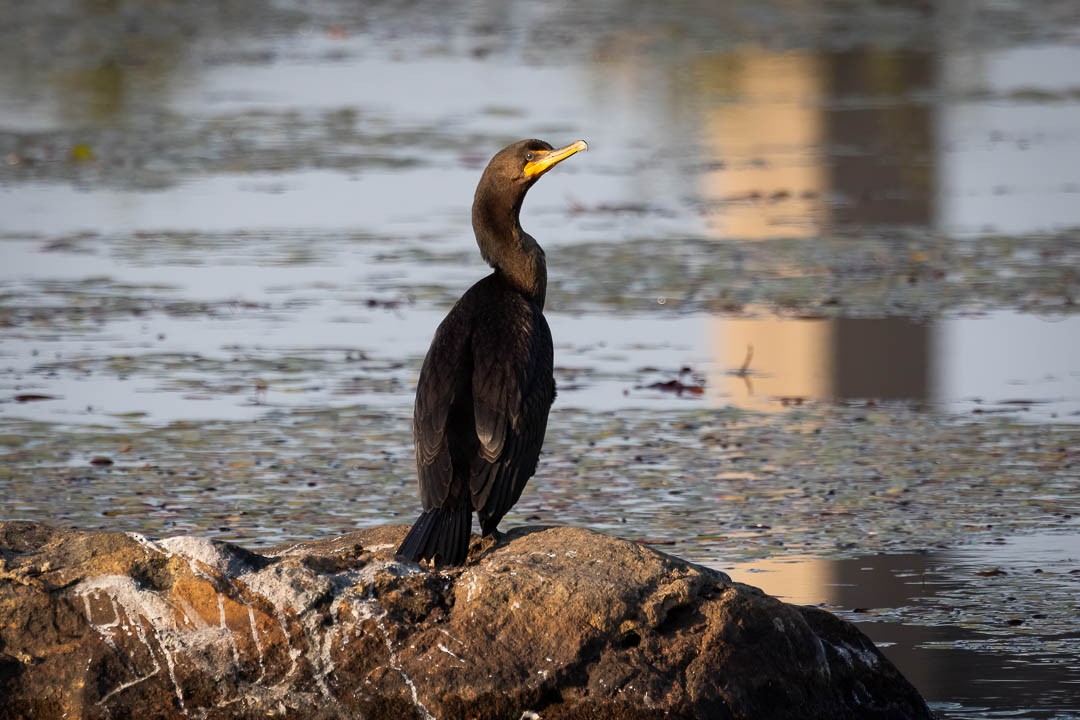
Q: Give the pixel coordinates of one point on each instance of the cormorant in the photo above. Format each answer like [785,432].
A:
[486,384]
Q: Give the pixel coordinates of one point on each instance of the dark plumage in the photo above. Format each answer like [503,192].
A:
[486,384]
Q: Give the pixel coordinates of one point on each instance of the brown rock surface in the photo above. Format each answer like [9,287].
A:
[562,622]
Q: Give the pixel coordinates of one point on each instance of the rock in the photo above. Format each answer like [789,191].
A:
[552,623]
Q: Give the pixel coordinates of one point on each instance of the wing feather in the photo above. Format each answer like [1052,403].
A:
[512,392]
[444,377]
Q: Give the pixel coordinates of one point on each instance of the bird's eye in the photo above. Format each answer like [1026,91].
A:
[529,157]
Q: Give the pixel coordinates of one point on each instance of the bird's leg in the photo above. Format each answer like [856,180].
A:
[497,536]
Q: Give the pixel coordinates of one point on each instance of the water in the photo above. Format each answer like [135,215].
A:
[974,628]
[94,372]
[813,287]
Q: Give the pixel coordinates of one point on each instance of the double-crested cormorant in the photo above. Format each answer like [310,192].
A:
[486,384]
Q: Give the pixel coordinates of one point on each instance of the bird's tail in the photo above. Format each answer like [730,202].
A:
[439,534]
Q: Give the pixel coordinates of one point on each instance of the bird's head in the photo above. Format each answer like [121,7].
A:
[497,204]
[518,166]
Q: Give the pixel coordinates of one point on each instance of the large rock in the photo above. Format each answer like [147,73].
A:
[555,623]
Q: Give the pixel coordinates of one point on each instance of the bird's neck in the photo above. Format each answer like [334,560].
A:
[514,254]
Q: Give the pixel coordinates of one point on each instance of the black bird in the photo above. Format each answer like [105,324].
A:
[486,384]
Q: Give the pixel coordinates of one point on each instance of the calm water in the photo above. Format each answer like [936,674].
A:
[844,233]
[962,637]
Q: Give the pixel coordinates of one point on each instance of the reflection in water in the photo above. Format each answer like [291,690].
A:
[764,120]
[965,141]
[880,133]
[940,616]
[992,363]
[833,359]
[812,141]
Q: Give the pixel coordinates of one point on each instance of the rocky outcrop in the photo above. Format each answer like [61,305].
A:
[552,623]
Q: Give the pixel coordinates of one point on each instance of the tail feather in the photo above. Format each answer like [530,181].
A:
[439,534]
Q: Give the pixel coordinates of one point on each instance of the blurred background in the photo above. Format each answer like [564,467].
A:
[813,288]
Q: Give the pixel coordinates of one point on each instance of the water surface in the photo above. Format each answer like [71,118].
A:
[969,639]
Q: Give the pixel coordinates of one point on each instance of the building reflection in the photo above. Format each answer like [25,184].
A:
[809,144]
[880,131]
[789,360]
[766,124]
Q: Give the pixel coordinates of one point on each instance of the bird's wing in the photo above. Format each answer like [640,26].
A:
[512,389]
[445,374]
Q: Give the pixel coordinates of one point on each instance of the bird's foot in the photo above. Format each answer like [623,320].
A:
[490,541]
